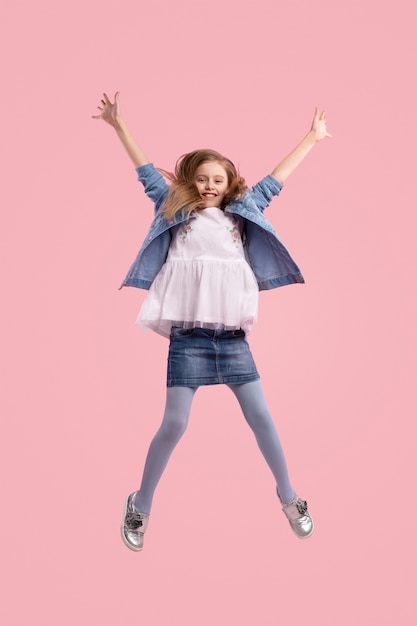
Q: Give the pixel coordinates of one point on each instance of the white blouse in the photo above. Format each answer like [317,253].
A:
[206,281]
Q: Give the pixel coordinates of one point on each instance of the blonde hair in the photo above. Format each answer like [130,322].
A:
[183,195]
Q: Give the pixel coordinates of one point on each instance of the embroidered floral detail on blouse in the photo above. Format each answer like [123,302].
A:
[187,228]
[234,230]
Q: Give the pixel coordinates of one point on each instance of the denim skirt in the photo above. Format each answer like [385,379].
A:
[202,356]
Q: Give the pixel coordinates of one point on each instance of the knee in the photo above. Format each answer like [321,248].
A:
[260,420]
[173,425]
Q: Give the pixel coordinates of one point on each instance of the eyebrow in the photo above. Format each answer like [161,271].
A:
[205,176]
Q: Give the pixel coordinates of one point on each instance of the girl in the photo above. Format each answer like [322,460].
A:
[208,252]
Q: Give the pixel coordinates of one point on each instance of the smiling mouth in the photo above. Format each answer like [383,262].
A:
[209,195]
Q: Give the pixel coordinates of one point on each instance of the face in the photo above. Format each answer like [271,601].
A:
[212,184]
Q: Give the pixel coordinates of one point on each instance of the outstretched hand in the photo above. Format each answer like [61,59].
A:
[319,127]
[109,112]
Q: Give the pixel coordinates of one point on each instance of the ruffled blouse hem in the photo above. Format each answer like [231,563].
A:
[163,327]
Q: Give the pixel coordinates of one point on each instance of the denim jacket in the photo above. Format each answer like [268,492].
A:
[270,261]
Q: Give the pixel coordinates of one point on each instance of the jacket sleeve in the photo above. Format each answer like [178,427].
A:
[156,188]
[265,190]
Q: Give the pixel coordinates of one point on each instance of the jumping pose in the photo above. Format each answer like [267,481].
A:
[207,254]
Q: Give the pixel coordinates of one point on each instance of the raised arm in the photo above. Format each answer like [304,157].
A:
[318,131]
[110,113]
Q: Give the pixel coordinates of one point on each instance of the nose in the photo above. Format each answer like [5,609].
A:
[208,185]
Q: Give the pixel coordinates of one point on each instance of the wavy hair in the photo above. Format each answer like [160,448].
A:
[183,195]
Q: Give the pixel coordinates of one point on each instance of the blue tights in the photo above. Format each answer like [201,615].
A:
[178,404]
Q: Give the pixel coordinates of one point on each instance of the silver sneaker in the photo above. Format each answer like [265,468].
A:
[134,524]
[299,518]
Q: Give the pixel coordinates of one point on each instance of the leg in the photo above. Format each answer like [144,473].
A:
[174,423]
[257,415]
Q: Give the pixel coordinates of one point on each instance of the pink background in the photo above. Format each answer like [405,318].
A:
[84,389]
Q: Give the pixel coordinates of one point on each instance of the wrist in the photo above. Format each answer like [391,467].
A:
[311,137]
[119,125]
